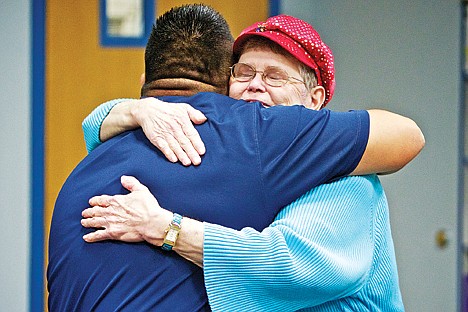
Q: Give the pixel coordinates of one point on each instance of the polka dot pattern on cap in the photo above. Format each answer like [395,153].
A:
[302,41]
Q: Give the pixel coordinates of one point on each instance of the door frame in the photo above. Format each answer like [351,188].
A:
[37,276]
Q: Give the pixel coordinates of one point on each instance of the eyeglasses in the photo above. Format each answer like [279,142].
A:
[272,76]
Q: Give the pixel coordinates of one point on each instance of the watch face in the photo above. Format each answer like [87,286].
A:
[171,236]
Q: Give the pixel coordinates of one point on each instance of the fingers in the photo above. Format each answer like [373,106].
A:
[164,147]
[102,200]
[185,141]
[196,116]
[174,144]
[172,149]
[132,184]
[182,148]
[93,212]
[96,236]
[169,127]
[193,139]
[126,218]
[95,222]
[93,218]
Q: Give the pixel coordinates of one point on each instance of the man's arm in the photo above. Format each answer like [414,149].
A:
[394,140]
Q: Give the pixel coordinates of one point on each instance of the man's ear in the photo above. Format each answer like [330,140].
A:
[317,95]
[142,79]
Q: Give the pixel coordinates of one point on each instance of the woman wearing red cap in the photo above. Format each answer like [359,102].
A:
[332,248]
[293,47]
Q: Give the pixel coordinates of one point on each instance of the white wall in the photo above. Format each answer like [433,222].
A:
[15,154]
[405,56]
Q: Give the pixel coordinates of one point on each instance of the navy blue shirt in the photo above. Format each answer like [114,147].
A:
[257,160]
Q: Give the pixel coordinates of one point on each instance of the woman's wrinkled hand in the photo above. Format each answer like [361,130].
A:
[170,127]
[134,217]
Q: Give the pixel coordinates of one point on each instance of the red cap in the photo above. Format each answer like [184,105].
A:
[302,41]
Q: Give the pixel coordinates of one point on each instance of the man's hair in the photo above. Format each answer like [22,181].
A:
[257,42]
[192,42]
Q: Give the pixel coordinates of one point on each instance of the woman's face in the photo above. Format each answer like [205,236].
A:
[291,93]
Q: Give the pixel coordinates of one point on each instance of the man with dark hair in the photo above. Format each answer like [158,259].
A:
[177,49]
[257,157]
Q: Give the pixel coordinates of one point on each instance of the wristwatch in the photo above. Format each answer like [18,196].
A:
[172,232]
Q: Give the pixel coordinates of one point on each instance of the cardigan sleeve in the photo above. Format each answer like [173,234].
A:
[92,123]
[318,249]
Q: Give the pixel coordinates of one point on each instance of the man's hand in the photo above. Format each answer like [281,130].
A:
[170,128]
[134,217]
